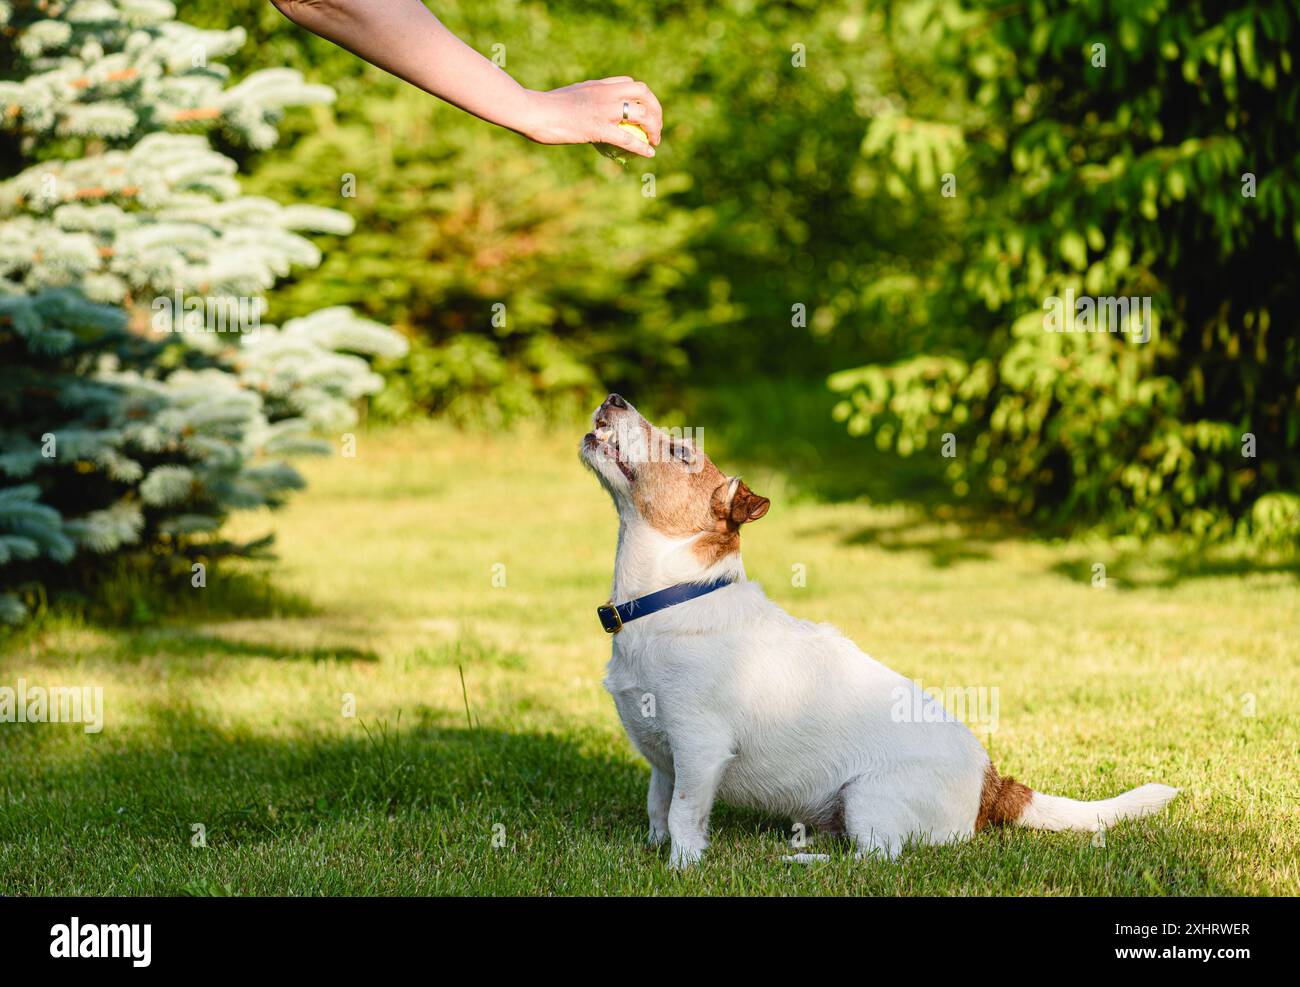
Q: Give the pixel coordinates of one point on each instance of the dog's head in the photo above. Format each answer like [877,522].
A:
[666,481]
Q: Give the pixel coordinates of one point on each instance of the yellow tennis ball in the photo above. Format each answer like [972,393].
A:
[635,130]
[616,153]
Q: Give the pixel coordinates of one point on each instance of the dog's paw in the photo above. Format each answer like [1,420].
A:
[657,838]
[685,857]
[883,850]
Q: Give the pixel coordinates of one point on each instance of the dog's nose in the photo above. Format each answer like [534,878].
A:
[616,401]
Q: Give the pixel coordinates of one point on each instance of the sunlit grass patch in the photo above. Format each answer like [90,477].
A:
[408,701]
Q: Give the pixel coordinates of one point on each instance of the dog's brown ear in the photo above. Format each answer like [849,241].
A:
[738,507]
[747,505]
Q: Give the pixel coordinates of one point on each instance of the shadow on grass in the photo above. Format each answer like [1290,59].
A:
[946,545]
[946,542]
[232,590]
[1167,565]
[412,809]
[133,594]
[786,427]
[182,642]
[137,805]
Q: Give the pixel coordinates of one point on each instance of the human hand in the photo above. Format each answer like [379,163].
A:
[590,112]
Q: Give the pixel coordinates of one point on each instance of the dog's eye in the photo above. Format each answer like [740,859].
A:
[681,452]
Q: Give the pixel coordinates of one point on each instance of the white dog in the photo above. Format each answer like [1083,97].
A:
[728,696]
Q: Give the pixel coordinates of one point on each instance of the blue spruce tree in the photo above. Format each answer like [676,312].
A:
[142,398]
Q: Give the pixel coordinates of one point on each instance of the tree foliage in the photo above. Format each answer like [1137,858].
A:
[1142,149]
[882,194]
[773,243]
[130,418]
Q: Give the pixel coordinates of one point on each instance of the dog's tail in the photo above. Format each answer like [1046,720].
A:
[1006,802]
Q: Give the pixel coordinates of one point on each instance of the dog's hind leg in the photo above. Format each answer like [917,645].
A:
[877,816]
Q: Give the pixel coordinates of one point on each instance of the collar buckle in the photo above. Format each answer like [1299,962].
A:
[612,615]
[609,618]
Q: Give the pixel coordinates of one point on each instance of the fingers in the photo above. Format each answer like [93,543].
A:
[639,94]
[637,113]
[654,116]
[643,116]
[612,133]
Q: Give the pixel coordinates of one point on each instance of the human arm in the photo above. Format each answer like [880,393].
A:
[404,38]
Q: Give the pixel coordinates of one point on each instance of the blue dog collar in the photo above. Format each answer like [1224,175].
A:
[613,617]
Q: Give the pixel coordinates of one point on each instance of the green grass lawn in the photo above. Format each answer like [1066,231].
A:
[484,756]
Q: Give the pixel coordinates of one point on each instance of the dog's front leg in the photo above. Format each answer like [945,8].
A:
[695,782]
[658,801]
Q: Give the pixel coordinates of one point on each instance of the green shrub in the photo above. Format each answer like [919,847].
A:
[1128,178]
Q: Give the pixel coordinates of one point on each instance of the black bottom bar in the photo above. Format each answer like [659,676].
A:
[188,935]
